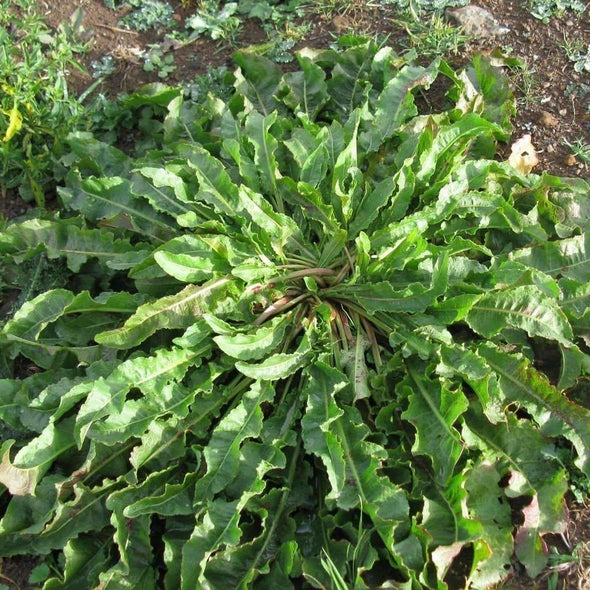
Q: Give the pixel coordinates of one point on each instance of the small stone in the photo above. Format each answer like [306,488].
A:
[548,120]
[569,23]
[477,22]
[563,112]
[550,148]
[341,23]
[570,160]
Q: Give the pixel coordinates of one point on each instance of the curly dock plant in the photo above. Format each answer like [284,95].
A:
[303,341]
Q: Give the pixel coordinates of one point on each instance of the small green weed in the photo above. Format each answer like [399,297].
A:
[216,20]
[577,53]
[278,22]
[330,8]
[417,6]
[36,108]
[523,77]
[214,81]
[433,36]
[149,14]
[580,149]
[156,60]
[545,9]
[575,564]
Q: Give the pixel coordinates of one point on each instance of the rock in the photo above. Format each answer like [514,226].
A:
[477,22]
[548,120]
[550,148]
[570,160]
[341,24]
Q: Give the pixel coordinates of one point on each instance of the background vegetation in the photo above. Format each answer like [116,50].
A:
[284,328]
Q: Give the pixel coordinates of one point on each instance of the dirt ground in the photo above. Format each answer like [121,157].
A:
[552,108]
[551,104]
[553,99]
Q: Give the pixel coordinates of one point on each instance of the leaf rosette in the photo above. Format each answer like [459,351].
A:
[308,343]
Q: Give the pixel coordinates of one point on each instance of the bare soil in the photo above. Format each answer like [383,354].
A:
[552,106]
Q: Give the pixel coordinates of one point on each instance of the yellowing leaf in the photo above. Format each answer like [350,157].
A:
[524,156]
[15,123]
[19,482]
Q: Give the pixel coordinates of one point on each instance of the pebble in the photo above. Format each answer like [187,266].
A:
[341,23]
[563,112]
[570,160]
[550,148]
[548,120]
[477,21]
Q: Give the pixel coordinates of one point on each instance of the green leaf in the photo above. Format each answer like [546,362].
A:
[259,80]
[575,298]
[218,527]
[39,574]
[84,556]
[175,311]
[165,190]
[174,499]
[521,383]
[526,308]
[451,141]
[106,198]
[137,415]
[149,375]
[347,181]
[265,145]
[348,82]
[24,333]
[315,168]
[222,454]
[374,297]
[256,345]
[133,541]
[215,185]
[191,260]
[395,103]
[372,201]
[433,410]
[307,88]
[337,435]
[488,505]
[520,451]
[65,238]
[278,366]
[85,512]
[568,258]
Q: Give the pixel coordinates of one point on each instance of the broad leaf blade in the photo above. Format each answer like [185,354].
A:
[525,308]
[175,311]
